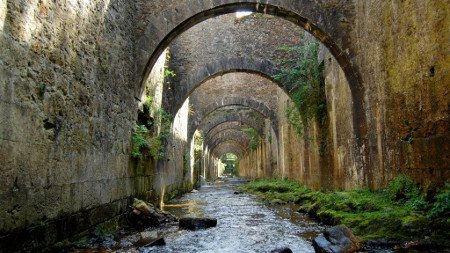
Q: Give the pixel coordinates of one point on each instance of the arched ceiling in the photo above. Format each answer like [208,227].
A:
[227,147]
[322,22]
[241,114]
[238,136]
[218,46]
[225,126]
[233,89]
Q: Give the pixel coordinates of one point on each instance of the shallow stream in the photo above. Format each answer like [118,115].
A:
[243,223]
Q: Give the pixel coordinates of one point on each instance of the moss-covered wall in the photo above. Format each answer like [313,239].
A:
[405,64]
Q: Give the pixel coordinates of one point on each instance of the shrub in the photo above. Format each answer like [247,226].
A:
[255,139]
[441,207]
[403,188]
[138,140]
[302,76]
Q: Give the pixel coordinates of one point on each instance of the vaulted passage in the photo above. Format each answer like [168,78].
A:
[105,101]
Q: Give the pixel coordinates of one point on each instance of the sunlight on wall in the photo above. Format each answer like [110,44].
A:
[155,82]
[241,14]
[30,24]
[2,15]
[180,123]
[221,167]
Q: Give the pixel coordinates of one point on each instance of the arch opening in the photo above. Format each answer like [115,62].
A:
[290,13]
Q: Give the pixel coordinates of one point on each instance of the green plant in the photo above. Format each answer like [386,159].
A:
[370,214]
[159,138]
[403,188]
[151,141]
[168,72]
[138,140]
[231,162]
[149,103]
[293,117]
[255,139]
[302,76]
[441,207]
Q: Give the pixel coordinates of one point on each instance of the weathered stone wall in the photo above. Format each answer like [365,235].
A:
[70,72]
[389,59]
[67,75]
[403,55]
[226,44]
[233,89]
[345,170]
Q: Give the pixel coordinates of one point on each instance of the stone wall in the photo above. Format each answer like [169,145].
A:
[388,58]
[72,73]
[67,106]
[404,61]
[228,44]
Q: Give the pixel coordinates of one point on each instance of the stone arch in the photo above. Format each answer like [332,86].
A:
[228,134]
[226,126]
[207,127]
[323,22]
[229,145]
[219,67]
[241,101]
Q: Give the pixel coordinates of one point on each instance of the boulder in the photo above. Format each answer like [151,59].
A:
[141,206]
[337,239]
[144,214]
[281,250]
[192,223]
[148,235]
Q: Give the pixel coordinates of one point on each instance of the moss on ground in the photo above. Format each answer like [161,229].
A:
[399,212]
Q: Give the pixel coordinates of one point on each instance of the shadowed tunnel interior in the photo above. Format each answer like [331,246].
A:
[104,101]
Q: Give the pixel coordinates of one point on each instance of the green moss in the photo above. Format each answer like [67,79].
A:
[371,215]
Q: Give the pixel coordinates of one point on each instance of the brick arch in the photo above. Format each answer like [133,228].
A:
[321,20]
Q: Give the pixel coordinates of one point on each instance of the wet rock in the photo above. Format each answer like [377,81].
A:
[156,242]
[141,207]
[144,214]
[192,223]
[237,192]
[338,239]
[281,250]
[148,235]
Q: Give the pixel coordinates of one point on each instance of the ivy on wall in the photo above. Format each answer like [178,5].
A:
[255,139]
[302,76]
[150,135]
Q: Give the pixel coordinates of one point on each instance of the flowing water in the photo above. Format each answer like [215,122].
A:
[243,224]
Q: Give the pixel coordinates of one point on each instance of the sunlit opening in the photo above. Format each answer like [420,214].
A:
[241,14]
[230,164]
